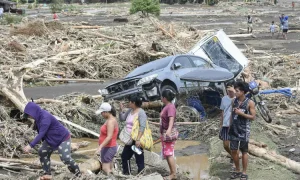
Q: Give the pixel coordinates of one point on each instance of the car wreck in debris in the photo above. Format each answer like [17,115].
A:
[214,55]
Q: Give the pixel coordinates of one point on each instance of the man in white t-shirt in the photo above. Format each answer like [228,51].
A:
[226,107]
[1,12]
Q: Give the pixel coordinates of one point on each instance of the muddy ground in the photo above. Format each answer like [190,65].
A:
[207,18]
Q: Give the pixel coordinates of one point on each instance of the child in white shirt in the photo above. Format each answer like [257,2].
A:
[272,28]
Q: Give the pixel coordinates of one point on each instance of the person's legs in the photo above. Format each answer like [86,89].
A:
[245,162]
[64,151]
[126,156]
[139,159]
[244,150]
[106,167]
[226,146]
[172,166]
[45,152]
[107,157]
[168,153]
[236,160]
[234,146]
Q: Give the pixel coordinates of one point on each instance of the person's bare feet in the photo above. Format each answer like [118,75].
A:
[46,177]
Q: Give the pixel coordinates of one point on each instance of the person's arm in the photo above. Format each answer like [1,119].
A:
[142,118]
[45,124]
[222,118]
[123,115]
[110,130]
[171,114]
[252,114]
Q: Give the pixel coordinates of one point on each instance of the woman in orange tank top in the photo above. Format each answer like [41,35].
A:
[108,137]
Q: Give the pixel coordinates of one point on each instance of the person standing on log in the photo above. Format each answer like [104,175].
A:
[243,111]
[226,107]
[134,111]
[167,127]
[54,136]
[108,137]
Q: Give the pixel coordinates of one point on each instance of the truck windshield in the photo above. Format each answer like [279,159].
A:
[215,51]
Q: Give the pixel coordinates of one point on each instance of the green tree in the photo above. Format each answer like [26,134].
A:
[56,6]
[145,6]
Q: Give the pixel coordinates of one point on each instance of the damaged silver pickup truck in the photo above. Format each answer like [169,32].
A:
[216,52]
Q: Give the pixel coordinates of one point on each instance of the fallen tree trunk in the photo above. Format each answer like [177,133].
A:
[92,164]
[259,144]
[42,100]
[151,159]
[77,126]
[154,104]
[272,156]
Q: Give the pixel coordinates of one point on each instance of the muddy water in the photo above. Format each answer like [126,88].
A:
[190,156]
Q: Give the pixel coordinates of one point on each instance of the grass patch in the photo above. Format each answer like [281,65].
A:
[11,19]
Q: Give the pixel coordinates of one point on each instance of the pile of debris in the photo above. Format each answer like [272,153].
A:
[90,53]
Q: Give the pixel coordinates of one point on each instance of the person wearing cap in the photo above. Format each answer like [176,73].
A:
[54,136]
[226,107]
[108,137]
[134,111]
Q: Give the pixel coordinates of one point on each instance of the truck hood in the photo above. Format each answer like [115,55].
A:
[220,50]
[136,78]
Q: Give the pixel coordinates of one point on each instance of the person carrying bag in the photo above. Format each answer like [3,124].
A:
[136,132]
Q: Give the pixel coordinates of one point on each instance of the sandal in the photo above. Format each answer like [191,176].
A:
[235,175]
[233,169]
[244,177]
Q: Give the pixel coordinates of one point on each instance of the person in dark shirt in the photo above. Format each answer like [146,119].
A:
[243,111]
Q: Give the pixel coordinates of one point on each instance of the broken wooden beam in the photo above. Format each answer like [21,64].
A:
[241,35]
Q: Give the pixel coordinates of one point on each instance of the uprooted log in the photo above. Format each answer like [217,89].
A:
[12,88]
[259,144]
[150,105]
[76,146]
[151,159]
[274,157]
